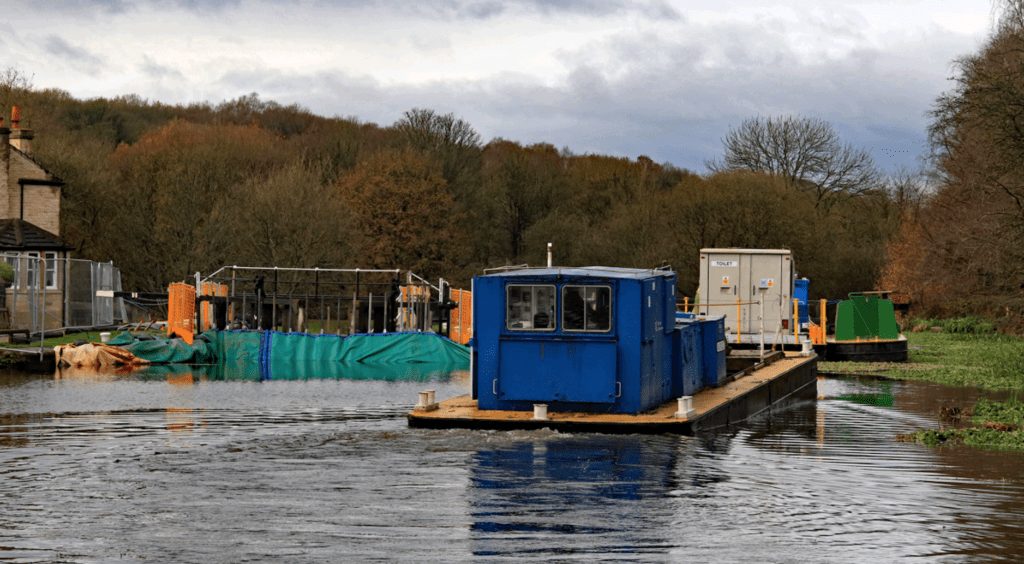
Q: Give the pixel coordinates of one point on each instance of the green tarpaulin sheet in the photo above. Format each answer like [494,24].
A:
[249,355]
[385,348]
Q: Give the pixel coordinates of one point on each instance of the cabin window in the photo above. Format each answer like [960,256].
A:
[587,308]
[530,307]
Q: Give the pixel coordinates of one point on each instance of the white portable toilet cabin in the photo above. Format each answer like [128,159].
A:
[728,276]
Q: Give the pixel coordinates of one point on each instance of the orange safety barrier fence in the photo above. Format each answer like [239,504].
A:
[206,308]
[462,317]
[181,311]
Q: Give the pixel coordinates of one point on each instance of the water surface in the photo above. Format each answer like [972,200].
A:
[192,465]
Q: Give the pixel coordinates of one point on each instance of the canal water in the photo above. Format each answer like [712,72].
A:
[195,466]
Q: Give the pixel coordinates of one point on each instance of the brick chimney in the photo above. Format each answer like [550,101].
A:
[20,138]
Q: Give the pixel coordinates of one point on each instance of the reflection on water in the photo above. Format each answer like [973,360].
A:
[189,465]
[233,369]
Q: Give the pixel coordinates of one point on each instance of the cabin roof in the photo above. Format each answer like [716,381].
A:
[584,271]
[739,251]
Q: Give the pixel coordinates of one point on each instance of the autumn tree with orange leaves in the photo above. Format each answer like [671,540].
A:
[406,214]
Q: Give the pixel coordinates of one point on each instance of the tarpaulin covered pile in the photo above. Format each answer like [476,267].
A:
[252,354]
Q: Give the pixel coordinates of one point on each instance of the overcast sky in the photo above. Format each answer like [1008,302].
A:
[661,78]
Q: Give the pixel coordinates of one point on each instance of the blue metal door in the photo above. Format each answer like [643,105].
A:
[562,370]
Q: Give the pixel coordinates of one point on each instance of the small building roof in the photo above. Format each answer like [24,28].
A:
[738,251]
[20,235]
[584,271]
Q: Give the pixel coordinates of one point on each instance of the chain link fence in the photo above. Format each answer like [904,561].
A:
[50,293]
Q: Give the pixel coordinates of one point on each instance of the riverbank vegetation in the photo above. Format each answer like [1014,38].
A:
[986,360]
[995,425]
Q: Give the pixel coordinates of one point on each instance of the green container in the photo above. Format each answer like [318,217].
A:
[865,317]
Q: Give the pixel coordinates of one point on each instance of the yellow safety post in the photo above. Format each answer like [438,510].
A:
[824,328]
[686,304]
[796,321]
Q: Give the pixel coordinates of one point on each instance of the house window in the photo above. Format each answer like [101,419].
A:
[32,270]
[51,270]
[530,307]
[587,309]
[49,265]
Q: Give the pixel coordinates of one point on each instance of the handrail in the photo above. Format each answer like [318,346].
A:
[411,273]
[513,267]
[296,269]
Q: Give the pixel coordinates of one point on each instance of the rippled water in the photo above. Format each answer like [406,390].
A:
[185,467]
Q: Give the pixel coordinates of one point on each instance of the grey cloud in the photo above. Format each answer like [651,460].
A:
[158,71]
[93,8]
[432,9]
[590,7]
[484,10]
[80,58]
[198,5]
[675,114]
[488,9]
[846,24]
[671,98]
[429,44]
[79,7]
[662,11]
[655,9]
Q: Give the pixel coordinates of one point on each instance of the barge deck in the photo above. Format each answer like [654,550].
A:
[773,386]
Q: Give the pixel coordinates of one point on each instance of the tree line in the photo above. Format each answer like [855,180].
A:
[164,191]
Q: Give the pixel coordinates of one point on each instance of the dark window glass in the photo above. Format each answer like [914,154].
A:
[530,308]
[587,308]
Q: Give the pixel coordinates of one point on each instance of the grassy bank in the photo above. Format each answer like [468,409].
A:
[991,360]
[996,425]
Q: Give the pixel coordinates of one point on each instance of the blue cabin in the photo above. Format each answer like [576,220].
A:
[591,339]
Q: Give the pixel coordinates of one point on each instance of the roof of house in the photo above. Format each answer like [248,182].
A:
[54,179]
[20,235]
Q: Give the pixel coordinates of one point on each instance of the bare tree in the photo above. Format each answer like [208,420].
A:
[13,84]
[452,142]
[806,152]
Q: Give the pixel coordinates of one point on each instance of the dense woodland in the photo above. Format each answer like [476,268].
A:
[165,191]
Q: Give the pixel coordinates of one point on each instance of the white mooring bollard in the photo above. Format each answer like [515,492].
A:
[686,410]
[426,402]
[807,350]
[540,412]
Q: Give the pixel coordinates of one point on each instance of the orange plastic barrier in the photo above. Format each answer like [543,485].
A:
[181,311]
[462,316]
[206,308]
[816,334]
